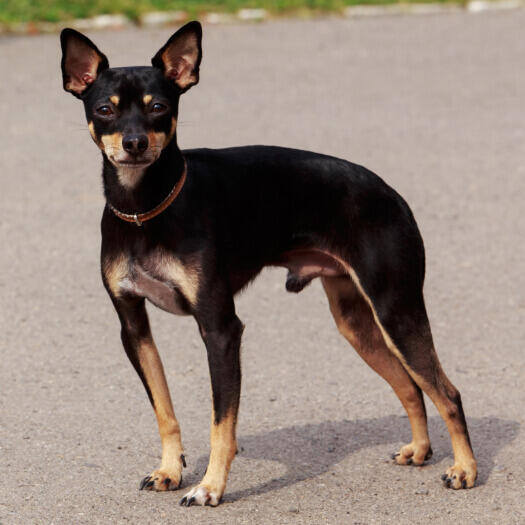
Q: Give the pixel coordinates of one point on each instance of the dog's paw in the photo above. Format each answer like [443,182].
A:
[460,476]
[160,481]
[413,454]
[201,495]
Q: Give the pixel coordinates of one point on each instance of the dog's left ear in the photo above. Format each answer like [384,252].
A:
[179,59]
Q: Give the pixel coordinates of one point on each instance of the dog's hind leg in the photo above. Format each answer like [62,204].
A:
[409,337]
[355,321]
[399,311]
[143,354]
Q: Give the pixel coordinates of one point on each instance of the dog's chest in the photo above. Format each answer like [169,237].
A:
[162,279]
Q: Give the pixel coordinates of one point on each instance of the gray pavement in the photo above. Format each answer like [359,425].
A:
[435,105]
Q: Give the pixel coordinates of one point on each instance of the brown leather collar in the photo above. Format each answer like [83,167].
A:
[139,218]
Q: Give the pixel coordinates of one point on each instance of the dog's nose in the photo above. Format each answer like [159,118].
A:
[135,144]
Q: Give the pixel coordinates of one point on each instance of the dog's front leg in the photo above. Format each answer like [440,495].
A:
[222,339]
[143,354]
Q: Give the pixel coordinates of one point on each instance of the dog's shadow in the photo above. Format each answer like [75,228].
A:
[310,450]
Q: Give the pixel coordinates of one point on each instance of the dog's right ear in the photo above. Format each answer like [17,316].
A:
[82,62]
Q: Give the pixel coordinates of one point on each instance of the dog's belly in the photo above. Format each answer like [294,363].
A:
[161,293]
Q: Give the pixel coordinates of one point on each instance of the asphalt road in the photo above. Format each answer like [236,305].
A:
[433,104]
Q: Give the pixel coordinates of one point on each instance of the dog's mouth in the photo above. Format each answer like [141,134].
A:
[123,160]
[136,162]
[131,162]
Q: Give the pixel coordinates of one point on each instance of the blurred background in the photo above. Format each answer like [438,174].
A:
[433,103]
[34,11]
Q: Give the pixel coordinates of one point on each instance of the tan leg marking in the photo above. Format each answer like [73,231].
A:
[223,449]
[464,471]
[168,476]
[115,99]
[356,323]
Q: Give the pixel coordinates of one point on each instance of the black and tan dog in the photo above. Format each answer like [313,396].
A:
[188,230]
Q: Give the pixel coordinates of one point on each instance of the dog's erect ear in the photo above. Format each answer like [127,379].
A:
[180,57]
[81,61]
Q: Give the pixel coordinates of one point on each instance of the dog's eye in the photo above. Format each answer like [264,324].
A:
[105,111]
[158,107]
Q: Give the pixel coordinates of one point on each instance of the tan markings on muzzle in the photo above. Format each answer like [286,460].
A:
[147,99]
[112,143]
[115,99]
[156,140]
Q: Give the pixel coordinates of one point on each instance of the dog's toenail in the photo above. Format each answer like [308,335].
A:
[143,482]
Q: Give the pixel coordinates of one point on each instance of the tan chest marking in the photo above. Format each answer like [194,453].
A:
[184,275]
[161,278]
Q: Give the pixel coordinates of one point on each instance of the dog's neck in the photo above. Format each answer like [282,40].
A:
[150,187]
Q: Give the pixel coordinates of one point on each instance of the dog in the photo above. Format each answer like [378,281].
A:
[188,230]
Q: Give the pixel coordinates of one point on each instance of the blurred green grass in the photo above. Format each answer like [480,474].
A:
[16,11]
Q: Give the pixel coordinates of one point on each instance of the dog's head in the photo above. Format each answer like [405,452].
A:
[131,111]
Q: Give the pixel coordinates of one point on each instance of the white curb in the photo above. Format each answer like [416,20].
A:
[162,18]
